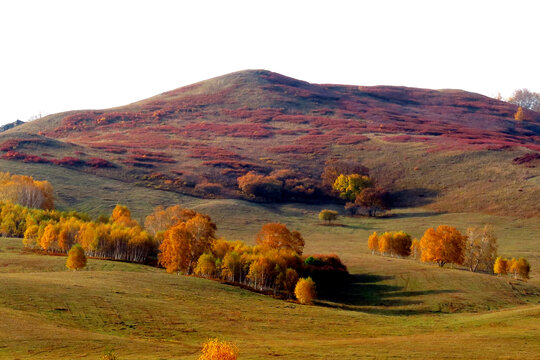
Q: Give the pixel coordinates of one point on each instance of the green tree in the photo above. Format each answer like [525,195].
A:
[328,215]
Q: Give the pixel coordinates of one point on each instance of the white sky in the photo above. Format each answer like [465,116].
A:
[64,55]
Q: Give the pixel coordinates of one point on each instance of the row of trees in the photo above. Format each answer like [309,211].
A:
[476,249]
[26,191]
[183,240]
[275,264]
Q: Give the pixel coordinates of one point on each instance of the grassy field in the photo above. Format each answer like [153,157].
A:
[396,308]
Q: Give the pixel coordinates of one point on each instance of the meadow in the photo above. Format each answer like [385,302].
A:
[395,308]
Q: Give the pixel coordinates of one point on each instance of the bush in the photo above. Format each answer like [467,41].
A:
[305,291]
[76,259]
[328,215]
[219,350]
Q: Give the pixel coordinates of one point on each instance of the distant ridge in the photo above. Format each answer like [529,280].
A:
[11,125]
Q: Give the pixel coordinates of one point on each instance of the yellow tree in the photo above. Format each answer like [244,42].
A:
[385,243]
[206,265]
[519,116]
[76,258]
[500,266]
[175,249]
[349,186]
[305,291]
[443,245]
[276,236]
[219,350]
[49,237]
[373,243]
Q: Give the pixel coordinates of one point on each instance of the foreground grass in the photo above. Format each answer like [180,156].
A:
[143,313]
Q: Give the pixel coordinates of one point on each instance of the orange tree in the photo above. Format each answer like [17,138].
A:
[277,236]
[443,245]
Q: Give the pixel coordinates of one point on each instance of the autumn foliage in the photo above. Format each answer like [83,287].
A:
[26,191]
[443,245]
[277,236]
[305,291]
[219,350]
[76,259]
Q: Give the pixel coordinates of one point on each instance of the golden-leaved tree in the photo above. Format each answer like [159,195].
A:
[185,242]
[76,258]
[305,291]
[443,245]
[276,236]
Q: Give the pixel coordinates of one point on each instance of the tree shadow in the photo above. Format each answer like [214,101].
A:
[417,214]
[365,293]
[412,197]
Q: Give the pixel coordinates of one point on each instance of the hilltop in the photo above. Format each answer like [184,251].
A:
[450,150]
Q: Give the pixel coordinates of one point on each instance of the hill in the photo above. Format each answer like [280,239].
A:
[10,125]
[447,149]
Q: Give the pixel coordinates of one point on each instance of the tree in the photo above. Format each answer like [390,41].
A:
[385,241]
[349,186]
[519,116]
[328,215]
[373,199]
[480,248]
[175,249]
[163,218]
[219,350]
[416,250]
[373,243]
[305,291]
[276,236]
[526,99]
[444,245]
[520,268]
[76,258]
[335,168]
[206,265]
[500,266]
[257,185]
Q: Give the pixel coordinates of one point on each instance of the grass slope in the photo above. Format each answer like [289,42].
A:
[143,313]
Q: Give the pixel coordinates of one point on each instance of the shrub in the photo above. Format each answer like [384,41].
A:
[328,215]
[76,258]
[219,350]
[305,291]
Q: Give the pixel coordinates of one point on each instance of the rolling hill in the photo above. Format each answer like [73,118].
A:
[450,150]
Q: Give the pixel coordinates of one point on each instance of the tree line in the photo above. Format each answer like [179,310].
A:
[476,249]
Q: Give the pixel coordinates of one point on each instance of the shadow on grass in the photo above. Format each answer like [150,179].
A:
[366,293]
[416,214]
[412,197]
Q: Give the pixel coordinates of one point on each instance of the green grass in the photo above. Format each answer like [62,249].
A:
[144,313]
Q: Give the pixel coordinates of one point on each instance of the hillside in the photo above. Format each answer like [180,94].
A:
[446,149]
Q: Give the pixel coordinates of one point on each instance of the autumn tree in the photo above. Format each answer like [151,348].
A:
[373,243]
[373,199]
[185,242]
[520,268]
[257,185]
[276,235]
[206,265]
[526,99]
[76,258]
[416,250]
[333,169]
[328,215]
[163,218]
[26,191]
[443,245]
[349,186]
[394,243]
[501,266]
[219,350]
[480,248]
[519,116]
[305,291]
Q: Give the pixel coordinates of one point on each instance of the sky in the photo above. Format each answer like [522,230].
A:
[66,55]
